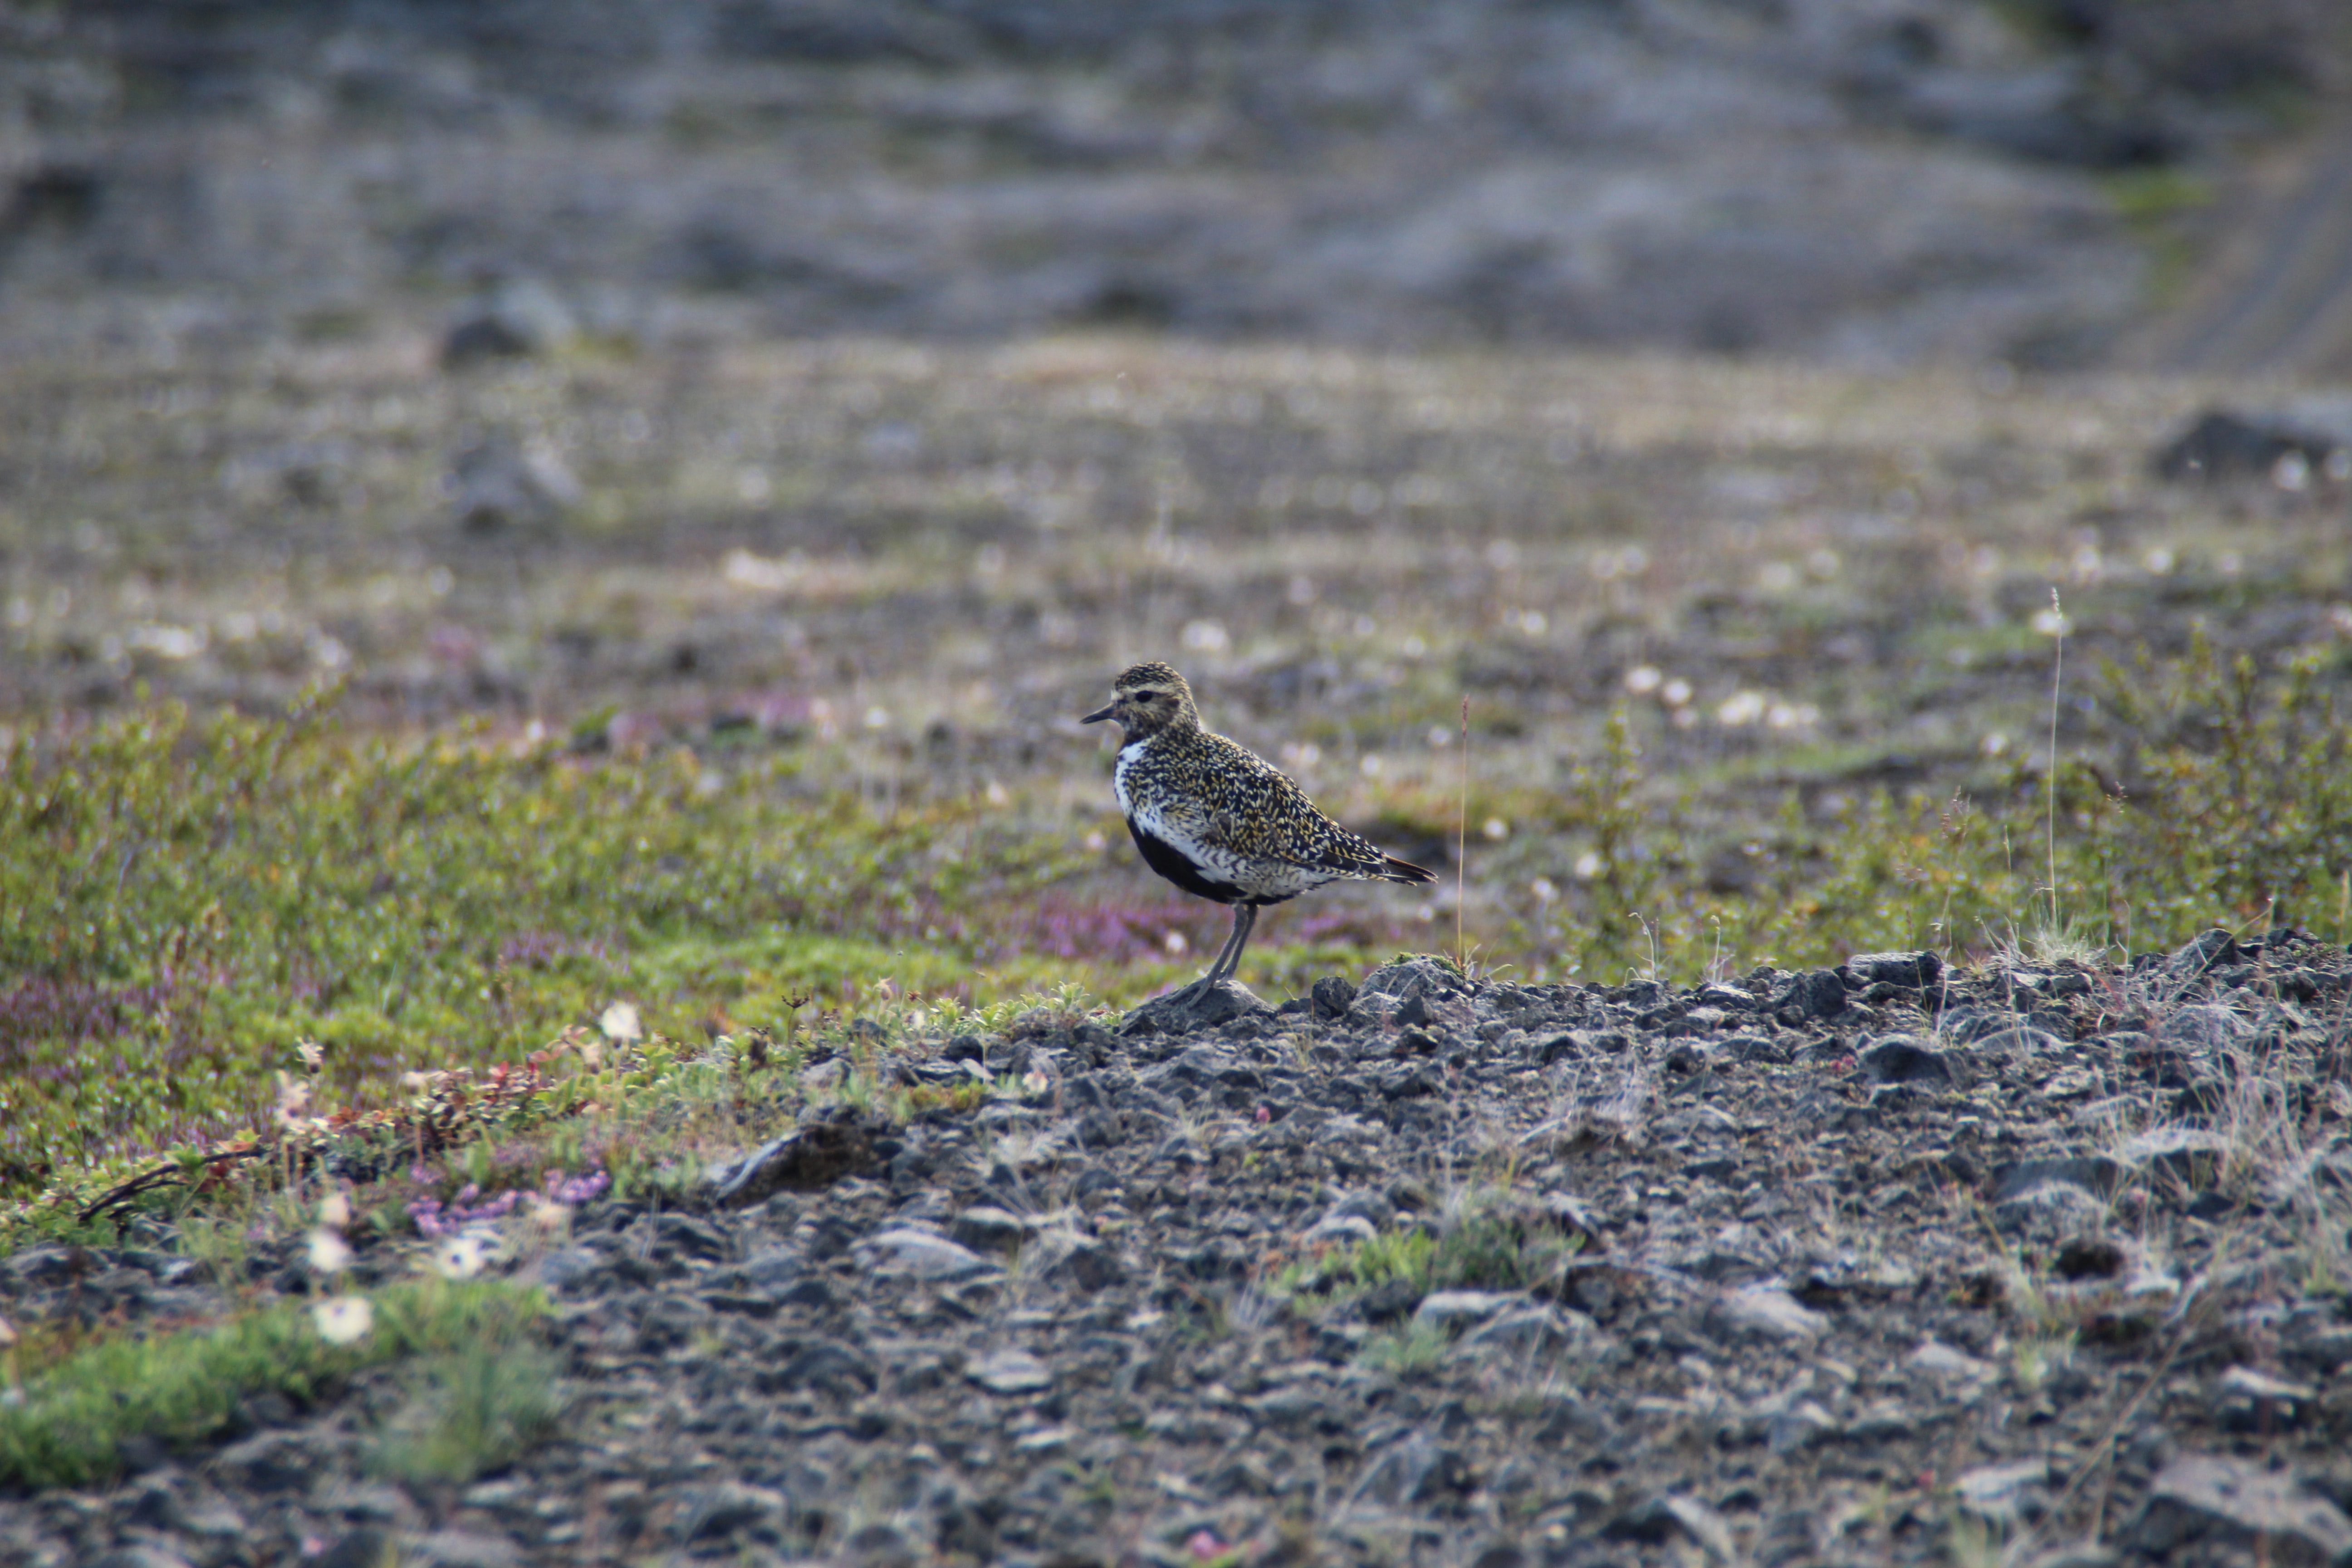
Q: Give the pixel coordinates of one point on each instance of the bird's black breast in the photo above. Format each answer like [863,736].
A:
[1186,873]
[1180,869]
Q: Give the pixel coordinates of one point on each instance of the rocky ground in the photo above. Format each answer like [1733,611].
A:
[1883,1263]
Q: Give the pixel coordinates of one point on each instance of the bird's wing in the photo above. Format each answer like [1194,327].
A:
[1289,828]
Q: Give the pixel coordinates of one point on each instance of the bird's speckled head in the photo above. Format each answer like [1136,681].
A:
[1148,699]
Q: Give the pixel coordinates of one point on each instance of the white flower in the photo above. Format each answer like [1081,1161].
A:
[335,1210]
[328,1252]
[342,1318]
[293,1099]
[458,1256]
[620,1022]
[1742,708]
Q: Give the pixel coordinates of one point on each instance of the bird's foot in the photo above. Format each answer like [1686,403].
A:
[1204,1002]
[1192,992]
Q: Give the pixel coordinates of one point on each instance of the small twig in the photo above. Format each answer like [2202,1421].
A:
[1462,849]
[171,1173]
[2050,789]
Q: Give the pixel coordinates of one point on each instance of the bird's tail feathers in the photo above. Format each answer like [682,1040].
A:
[1395,870]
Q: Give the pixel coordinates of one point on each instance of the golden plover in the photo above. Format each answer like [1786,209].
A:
[1218,820]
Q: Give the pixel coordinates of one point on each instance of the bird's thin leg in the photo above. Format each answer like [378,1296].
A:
[1208,981]
[1244,921]
[1209,978]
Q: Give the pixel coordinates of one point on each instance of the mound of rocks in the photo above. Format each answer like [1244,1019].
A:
[1839,1266]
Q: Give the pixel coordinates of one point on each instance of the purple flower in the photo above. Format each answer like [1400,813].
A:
[575,1190]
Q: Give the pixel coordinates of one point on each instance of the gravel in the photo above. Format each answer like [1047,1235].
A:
[1805,1278]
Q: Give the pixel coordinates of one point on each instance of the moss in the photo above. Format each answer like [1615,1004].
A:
[183,1387]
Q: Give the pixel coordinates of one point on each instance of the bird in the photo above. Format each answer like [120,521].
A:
[1218,820]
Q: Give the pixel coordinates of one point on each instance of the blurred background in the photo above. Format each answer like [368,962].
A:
[2053,184]
[853,386]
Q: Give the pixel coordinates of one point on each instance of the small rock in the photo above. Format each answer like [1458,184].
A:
[461,1549]
[775,1270]
[1900,1059]
[1338,1230]
[271,1462]
[1411,979]
[2203,1028]
[2227,444]
[2073,1083]
[922,1254]
[1085,1262]
[712,1512]
[2075,1554]
[1011,1372]
[501,482]
[1332,996]
[1522,1333]
[521,317]
[1941,1360]
[1818,994]
[570,1268]
[2212,949]
[807,1160]
[1412,1470]
[2190,1155]
[1801,1425]
[1765,1312]
[884,1546]
[988,1229]
[1790,1537]
[137,1557]
[2049,1211]
[1662,1518]
[2092,1174]
[2018,1039]
[365,1548]
[1456,1310]
[830,1367]
[2262,1397]
[1293,1408]
[2013,1491]
[1917,970]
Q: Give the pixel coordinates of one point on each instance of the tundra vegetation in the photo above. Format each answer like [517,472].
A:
[455,866]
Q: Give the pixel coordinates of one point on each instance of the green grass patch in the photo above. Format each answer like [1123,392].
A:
[183,1386]
[181,901]
[470,1412]
[1482,1250]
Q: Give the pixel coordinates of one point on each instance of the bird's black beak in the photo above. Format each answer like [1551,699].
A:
[1099,714]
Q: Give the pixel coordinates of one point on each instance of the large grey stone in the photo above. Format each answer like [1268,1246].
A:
[2200,1496]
